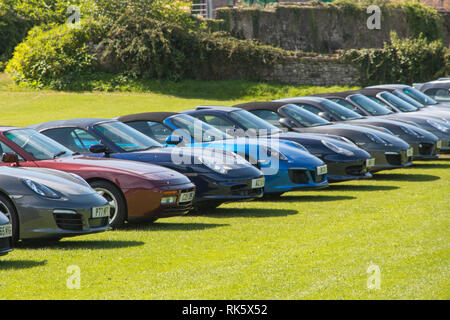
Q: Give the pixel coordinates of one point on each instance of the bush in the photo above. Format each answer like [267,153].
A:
[403,61]
[55,56]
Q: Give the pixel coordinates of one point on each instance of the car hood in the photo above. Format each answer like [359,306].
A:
[118,165]
[59,181]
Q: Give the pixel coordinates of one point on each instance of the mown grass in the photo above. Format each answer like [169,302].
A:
[20,106]
[306,245]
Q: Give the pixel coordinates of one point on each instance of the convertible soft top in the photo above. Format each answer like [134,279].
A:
[273,105]
[83,123]
[147,116]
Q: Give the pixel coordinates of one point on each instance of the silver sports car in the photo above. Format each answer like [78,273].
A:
[49,204]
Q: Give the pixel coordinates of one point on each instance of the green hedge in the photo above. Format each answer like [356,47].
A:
[403,61]
[56,56]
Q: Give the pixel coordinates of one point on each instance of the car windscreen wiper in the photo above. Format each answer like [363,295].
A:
[59,154]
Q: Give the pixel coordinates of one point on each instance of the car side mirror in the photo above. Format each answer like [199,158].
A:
[10,158]
[98,148]
[174,140]
[324,115]
[286,122]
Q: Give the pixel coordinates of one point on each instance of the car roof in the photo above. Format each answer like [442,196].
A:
[84,122]
[147,116]
[369,91]
[342,94]
[6,128]
[220,108]
[390,86]
[257,105]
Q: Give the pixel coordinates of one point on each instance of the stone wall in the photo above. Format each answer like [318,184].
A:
[312,71]
[318,29]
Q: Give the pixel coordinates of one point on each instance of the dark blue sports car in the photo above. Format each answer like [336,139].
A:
[218,178]
[286,165]
[345,160]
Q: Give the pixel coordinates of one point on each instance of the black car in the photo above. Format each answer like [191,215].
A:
[389,151]
[215,182]
[415,130]
[430,123]
[345,160]
[438,90]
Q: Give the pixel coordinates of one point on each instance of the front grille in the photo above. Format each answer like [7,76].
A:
[394,159]
[426,149]
[69,221]
[356,170]
[299,176]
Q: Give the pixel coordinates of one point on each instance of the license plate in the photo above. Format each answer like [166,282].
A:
[5,231]
[187,196]
[101,212]
[258,183]
[439,144]
[322,170]
[410,152]
[370,162]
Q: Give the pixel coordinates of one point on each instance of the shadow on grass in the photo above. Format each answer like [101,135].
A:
[340,187]
[82,244]
[248,213]
[305,198]
[20,264]
[405,177]
[432,165]
[163,226]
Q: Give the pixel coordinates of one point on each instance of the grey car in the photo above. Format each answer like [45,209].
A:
[438,90]
[5,231]
[49,204]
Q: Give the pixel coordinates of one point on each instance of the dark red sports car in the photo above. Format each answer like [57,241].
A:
[135,190]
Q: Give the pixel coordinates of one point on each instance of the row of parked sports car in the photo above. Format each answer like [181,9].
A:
[81,176]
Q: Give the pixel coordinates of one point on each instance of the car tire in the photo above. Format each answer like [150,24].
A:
[8,209]
[114,196]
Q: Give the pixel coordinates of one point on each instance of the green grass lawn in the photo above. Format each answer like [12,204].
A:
[306,245]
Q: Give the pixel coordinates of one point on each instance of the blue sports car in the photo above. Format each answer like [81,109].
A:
[287,165]
[345,160]
[218,178]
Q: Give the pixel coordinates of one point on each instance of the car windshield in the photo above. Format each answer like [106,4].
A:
[37,145]
[369,106]
[125,137]
[340,112]
[249,121]
[198,130]
[404,96]
[419,96]
[400,104]
[304,117]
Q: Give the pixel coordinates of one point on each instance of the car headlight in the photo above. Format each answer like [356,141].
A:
[41,189]
[214,165]
[273,153]
[437,125]
[375,138]
[337,149]
[297,145]
[410,131]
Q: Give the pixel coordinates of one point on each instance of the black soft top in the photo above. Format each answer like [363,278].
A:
[147,116]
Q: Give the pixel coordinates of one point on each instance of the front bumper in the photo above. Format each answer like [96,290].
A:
[345,171]
[44,218]
[425,150]
[390,160]
[209,188]
[295,178]
[5,246]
